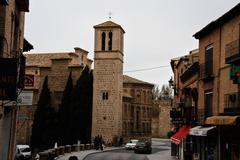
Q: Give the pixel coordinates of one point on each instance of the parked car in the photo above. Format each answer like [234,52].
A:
[23,152]
[143,147]
[131,144]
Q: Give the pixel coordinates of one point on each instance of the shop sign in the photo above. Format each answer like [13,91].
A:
[25,98]
[8,79]
[29,80]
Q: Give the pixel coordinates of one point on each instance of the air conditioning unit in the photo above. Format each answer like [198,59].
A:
[232,100]
[232,97]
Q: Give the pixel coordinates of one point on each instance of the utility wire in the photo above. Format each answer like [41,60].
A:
[146,69]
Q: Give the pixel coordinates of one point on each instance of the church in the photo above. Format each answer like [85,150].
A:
[121,104]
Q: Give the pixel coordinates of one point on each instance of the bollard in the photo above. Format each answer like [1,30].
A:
[51,154]
[57,152]
[82,147]
[87,147]
[75,148]
[92,146]
[61,150]
[43,155]
[67,149]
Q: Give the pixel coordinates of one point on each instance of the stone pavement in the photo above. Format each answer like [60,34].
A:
[164,154]
[82,154]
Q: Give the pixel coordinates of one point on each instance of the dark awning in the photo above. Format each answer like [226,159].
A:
[182,133]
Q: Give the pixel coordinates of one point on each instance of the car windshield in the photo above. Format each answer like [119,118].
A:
[25,149]
[133,141]
[141,143]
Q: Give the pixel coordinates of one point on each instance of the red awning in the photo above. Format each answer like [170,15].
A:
[182,133]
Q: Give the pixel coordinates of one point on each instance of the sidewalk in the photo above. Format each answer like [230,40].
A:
[82,154]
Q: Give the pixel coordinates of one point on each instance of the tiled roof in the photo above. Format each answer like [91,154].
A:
[108,24]
[44,59]
[128,79]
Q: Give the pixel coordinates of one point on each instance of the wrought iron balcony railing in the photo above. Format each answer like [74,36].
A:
[232,52]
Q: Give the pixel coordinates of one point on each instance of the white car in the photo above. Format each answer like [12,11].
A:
[23,151]
[131,144]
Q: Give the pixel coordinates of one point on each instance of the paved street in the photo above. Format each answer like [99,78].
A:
[160,151]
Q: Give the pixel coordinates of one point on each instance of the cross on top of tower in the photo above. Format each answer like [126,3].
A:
[110,15]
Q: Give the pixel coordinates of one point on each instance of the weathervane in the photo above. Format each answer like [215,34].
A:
[110,15]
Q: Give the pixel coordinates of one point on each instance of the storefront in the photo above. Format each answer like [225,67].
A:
[182,141]
[203,142]
[228,128]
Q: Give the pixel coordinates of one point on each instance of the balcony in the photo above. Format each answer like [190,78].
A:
[190,72]
[232,103]
[232,52]
[206,71]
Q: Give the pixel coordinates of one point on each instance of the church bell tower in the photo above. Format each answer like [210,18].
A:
[108,81]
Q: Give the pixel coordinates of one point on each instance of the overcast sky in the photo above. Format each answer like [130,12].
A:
[156,30]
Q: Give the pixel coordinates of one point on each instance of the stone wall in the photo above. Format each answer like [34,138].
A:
[161,122]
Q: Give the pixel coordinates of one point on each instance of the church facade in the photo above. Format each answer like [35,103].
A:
[121,104]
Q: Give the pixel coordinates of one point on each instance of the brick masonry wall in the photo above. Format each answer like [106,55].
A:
[218,38]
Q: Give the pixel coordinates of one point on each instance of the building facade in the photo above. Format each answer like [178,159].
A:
[57,66]
[218,104]
[12,44]
[136,109]
[184,108]
[214,126]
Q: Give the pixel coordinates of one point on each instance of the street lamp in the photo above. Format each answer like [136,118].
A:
[171,83]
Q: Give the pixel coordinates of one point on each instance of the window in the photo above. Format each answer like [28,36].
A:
[208,103]
[144,97]
[105,96]
[132,111]
[110,41]
[138,119]
[132,93]
[103,41]
[209,60]
[3,47]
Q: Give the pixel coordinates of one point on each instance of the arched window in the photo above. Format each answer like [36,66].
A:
[110,41]
[105,96]
[103,41]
